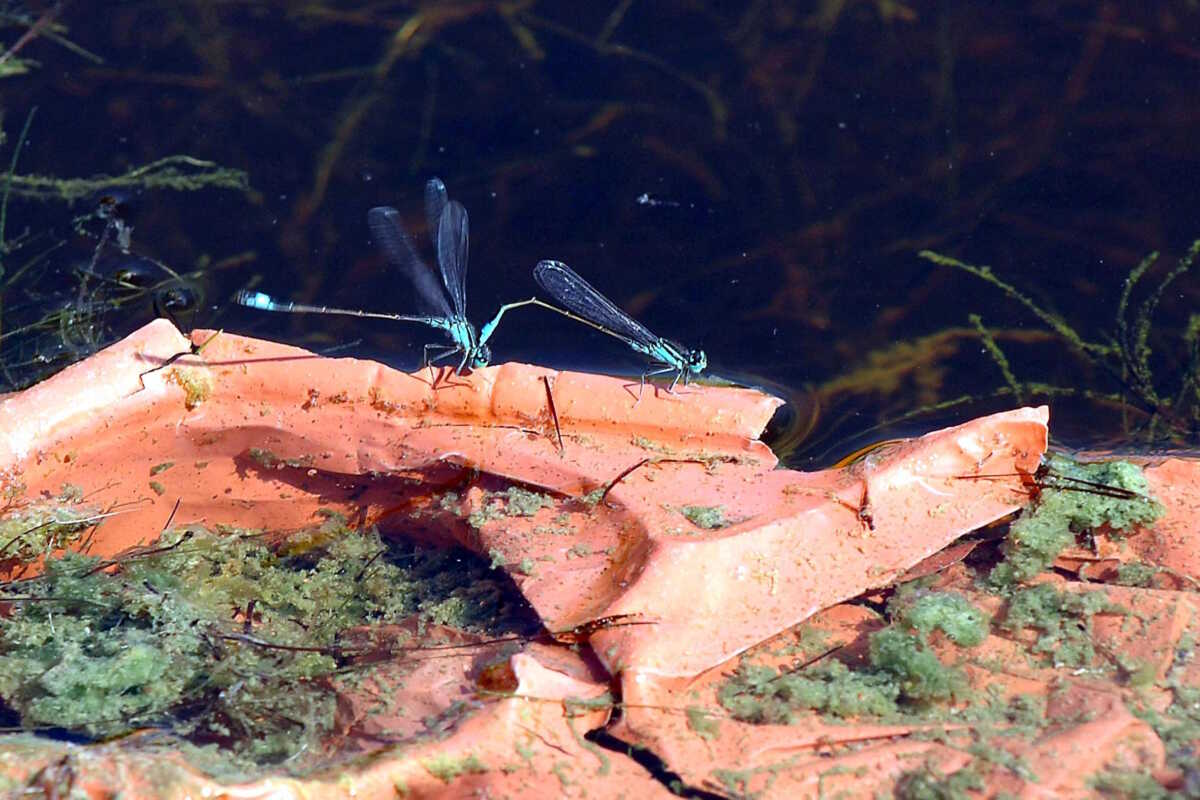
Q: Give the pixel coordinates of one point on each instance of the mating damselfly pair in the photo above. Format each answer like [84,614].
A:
[447,303]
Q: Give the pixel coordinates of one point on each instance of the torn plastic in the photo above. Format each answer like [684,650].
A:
[657,533]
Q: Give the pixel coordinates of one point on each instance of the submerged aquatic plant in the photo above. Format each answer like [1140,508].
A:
[1147,404]
[44,26]
[1164,409]
[55,310]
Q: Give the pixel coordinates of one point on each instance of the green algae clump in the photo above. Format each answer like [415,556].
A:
[927,783]
[446,767]
[949,612]
[224,640]
[763,695]
[512,502]
[1063,621]
[707,517]
[1074,497]
[196,382]
[37,530]
[903,674]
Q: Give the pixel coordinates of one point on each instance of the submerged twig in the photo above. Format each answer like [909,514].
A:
[29,35]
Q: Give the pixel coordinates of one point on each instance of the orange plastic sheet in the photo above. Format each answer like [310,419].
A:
[665,513]
[1088,726]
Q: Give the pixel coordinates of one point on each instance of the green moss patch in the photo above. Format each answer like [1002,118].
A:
[1129,786]
[1178,725]
[512,502]
[707,517]
[705,725]
[911,671]
[1135,573]
[948,612]
[38,530]
[1063,621]
[926,783]
[224,640]
[903,675]
[1074,498]
[448,767]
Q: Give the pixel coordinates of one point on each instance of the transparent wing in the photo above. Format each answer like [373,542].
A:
[567,287]
[452,253]
[395,244]
[435,201]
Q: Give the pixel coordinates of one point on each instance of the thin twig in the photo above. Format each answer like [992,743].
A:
[553,414]
[34,31]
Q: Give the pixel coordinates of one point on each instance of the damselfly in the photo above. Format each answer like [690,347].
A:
[447,221]
[594,309]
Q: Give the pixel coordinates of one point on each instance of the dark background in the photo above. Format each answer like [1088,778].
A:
[791,159]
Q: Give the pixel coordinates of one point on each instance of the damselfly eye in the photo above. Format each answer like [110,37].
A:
[483,356]
[174,299]
[137,273]
[115,203]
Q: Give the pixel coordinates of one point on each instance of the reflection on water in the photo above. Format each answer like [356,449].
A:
[755,178]
[63,303]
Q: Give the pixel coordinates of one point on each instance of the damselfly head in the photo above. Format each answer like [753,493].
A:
[137,272]
[697,361]
[481,357]
[170,300]
[114,203]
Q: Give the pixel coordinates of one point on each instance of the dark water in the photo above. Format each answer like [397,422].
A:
[754,178]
